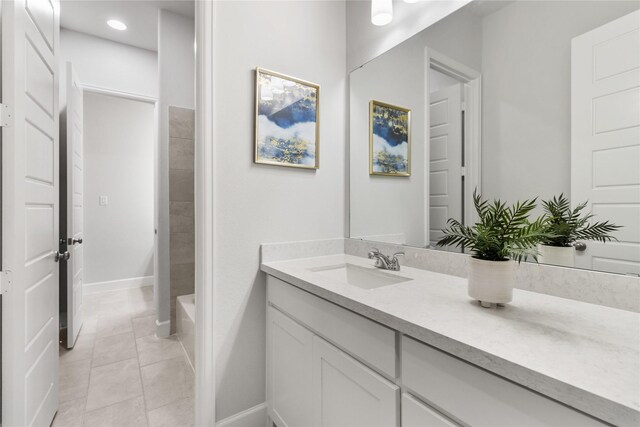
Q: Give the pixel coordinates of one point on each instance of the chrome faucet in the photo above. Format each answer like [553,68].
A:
[384,262]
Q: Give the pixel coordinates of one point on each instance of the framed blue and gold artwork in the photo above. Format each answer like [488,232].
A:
[287,121]
[389,139]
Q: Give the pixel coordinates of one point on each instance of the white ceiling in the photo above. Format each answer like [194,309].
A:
[140,16]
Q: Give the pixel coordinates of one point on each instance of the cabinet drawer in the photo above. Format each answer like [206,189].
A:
[368,341]
[417,414]
[477,397]
[347,393]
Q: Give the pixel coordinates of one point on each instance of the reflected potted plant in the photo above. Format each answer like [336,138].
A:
[565,226]
[502,236]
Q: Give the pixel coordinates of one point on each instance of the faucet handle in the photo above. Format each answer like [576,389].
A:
[395,264]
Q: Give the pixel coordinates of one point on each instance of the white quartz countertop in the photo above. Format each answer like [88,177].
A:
[584,355]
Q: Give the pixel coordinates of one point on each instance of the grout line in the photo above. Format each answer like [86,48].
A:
[144,396]
[173,403]
[93,348]
[181,138]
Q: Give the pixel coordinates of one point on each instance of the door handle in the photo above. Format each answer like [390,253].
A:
[580,246]
[61,256]
[71,241]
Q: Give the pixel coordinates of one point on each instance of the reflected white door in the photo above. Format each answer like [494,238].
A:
[445,159]
[30,40]
[75,211]
[605,138]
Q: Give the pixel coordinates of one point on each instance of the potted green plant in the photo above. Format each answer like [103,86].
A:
[502,236]
[565,226]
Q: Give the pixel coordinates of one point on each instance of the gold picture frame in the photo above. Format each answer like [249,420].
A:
[388,154]
[287,121]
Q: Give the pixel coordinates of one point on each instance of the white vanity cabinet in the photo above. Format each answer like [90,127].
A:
[312,383]
[328,366]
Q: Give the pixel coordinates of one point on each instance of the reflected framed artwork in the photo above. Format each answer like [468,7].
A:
[389,139]
[287,121]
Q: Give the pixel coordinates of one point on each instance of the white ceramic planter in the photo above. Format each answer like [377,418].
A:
[491,282]
[557,255]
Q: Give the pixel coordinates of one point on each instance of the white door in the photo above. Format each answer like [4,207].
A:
[445,159]
[289,371]
[605,139]
[75,212]
[30,40]
[347,393]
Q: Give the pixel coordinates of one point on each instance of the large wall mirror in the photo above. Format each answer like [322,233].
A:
[518,99]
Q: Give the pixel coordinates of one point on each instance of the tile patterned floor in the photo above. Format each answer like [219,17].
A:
[119,374]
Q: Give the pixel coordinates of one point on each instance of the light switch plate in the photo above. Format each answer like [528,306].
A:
[104,201]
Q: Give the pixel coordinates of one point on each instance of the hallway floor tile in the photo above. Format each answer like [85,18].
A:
[119,373]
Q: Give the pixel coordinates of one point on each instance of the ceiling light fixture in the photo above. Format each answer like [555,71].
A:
[116,25]
[381,12]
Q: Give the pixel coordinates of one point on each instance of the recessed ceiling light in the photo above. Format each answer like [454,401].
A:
[381,12]
[116,25]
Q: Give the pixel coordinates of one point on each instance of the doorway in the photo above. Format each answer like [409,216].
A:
[108,64]
[453,128]
[115,321]
[131,140]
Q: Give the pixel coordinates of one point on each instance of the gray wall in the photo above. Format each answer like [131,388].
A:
[261,203]
[107,64]
[526,133]
[181,205]
[118,163]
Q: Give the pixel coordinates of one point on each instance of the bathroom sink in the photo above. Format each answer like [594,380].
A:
[355,275]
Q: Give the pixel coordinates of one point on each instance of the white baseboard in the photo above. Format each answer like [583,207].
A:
[112,285]
[163,329]
[252,417]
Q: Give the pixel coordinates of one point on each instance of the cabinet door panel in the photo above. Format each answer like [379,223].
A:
[417,414]
[347,393]
[289,371]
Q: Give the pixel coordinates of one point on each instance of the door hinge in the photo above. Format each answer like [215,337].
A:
[6,281]
[464,106]
[463,171]
[6,115]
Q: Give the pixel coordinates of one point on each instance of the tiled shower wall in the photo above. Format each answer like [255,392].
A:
[181,205]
